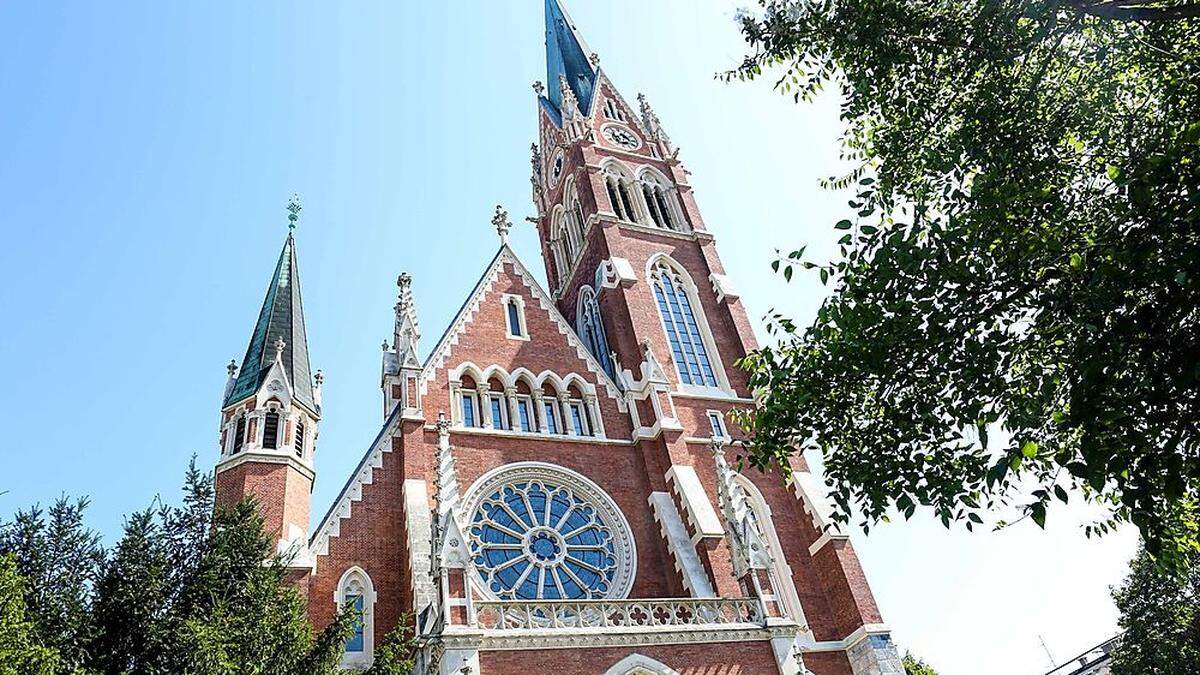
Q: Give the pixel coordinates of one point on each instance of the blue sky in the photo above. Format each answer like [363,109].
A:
[147,152]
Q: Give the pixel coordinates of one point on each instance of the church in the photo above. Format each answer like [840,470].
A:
[554,486]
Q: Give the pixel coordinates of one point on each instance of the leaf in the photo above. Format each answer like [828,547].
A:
[1038,513]
[1029,450]
[843,225]
[787,273]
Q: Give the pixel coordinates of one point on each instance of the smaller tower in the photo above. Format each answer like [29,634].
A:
[270,414]
[400,379]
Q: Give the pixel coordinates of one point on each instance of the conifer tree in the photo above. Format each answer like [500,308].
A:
[59,558]
[20,651]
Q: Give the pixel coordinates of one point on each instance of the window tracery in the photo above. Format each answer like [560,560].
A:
[676,306]
[542,532]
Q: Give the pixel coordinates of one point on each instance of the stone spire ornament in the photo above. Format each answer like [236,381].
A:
[279,345]
[293,209]
[232,369]
[594,59]
[502,223]
[407,333]
[538,87]
[652,123]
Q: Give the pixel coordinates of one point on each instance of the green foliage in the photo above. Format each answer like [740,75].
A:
[183,591]
[915,666]
[397,655]
[59,559]
[1160,614]
[20,651]
[1014,312]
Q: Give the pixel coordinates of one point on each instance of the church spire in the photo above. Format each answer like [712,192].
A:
[567,58]
[280,319]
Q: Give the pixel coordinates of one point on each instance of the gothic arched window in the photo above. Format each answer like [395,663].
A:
[355,588]
[676,307]
[659,202]
[620,194]
[591,329]
[539,532]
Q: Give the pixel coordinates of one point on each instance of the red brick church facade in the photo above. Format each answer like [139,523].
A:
[549,492]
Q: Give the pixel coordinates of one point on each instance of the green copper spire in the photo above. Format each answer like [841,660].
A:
[281,320]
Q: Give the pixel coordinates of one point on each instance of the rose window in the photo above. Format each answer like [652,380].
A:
[536,537]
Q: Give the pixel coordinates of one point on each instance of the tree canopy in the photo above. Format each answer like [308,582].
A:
[1014,314]
[185,590]
[1160,614]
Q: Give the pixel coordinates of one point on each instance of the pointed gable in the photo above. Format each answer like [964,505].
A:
[281,317]
[478,333]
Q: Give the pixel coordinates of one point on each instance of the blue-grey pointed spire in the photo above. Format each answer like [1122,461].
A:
[280,319]
[567,56]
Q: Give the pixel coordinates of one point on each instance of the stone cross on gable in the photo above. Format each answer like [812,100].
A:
[502,223]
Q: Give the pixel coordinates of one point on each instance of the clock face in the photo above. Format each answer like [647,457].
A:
[556,168]
[621,137]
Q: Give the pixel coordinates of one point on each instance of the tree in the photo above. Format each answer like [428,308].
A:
[20,651]
[1015,307]
[915,666]
[184,591]
[131,605]
[59,559]
[1160,614]
[397,655]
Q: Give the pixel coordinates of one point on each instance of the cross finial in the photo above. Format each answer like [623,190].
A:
[502,223]
[319,378]
[293,208]
[594,59]
[538,87]
[404,282]
[279,345]
[232,368]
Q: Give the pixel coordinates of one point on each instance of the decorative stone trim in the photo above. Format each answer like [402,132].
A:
[625,548]
[701,515]
[614,272]
[816,504]
[419,523]
[437,359]
[683,551]
[636,663]
[723,287]
[352,492]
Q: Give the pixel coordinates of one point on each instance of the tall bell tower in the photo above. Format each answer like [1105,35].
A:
[270,412]
[632,264]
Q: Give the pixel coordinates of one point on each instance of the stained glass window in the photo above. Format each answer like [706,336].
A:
[591,329]
[523,413]
[687,344]
[355,643]
[541,539]
[468,410]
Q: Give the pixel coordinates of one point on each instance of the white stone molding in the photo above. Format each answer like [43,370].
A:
[561,384]
[723,286]
[683,551]
[811,494]
[613,272]
[419,523]
[637,664]
[701,515]
[610,515]
[364,474]
[505,299]
[745,541]
[784,583]
[356,581]
[441,353]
